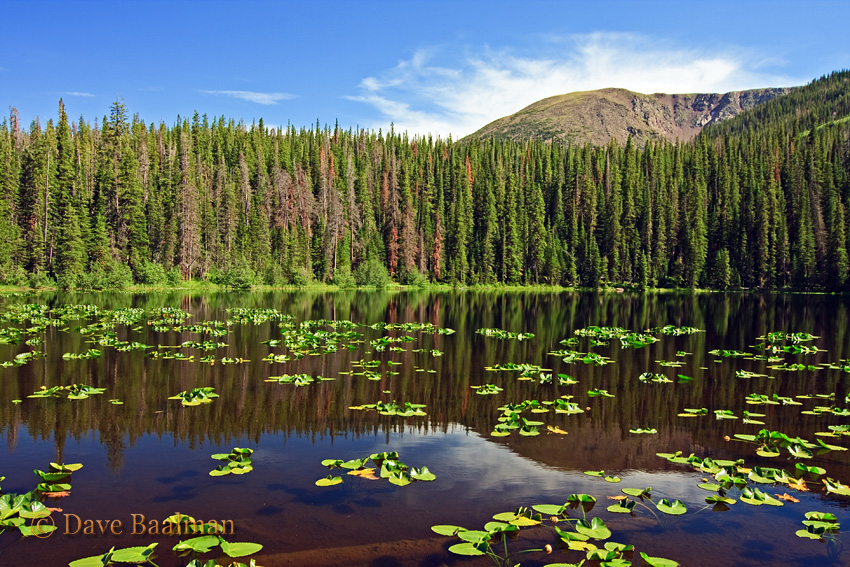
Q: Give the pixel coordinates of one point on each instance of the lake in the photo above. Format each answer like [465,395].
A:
[149,456]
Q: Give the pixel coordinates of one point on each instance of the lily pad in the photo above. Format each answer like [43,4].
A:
[329,480]
[465,548]
[446,529]
[674,508]
[658,561]
[624,506]
[595,528]
[239,549]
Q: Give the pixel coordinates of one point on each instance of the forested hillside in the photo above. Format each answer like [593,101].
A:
[759,201]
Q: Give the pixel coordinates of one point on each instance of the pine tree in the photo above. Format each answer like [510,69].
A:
[70,250]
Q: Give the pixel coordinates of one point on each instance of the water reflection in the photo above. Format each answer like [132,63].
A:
[159,451]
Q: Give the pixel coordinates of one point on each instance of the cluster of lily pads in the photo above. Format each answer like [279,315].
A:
[237,461]
[179,524]
[320,337]
[530,372]
[730,475]
[512,419]
[17,509]
[583,535]
[502,334]
[295,379]
[770,443]
[406,409]
[487,389]
[23,358]
[88,355]
[71,392]
[388,463]
[196,396]
[819,525]
[572,356]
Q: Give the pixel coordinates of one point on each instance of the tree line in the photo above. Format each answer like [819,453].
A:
[760,201]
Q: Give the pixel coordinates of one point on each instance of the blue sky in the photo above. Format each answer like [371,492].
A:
[438,67]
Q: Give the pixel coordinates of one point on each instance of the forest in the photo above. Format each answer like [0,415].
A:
[760,201]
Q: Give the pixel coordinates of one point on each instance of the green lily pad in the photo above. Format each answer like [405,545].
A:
[494,527]
[329,480]
[473,536]
[638,492]
[674,508]
[822,516]
[94,561]
[66,468]
[239,549]
[200,544]
[719,500]
[810,533]
[594,528]
[836,487]
[767,452]
[465,548]
[658,561]
[400,478]
[422,474]
[446,529]
[548,509]
[133,554]
[756,497]
[622,507]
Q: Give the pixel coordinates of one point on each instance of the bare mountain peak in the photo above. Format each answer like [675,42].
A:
[598,116]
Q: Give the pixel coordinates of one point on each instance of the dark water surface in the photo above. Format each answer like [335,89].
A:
[151,457]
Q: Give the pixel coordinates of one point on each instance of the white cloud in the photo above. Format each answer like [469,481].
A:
[258,98]
[77,93]
[422,97]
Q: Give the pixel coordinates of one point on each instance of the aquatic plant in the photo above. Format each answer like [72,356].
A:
[646,430]
[500,334]
[406,409]
[89,354]
[71,392]
[388,463]
[192,547]
[571,356]
[138,555]
[196,396]
[654,378]
[238,461]
[296,379]
[23,358]
[770,442]
[17,509]
[576,534]
[487,389]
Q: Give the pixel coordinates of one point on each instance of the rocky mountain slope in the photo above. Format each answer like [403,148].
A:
[597,116]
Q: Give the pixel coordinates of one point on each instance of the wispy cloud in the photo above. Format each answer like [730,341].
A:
[258,98]
[421,96]
[78,93]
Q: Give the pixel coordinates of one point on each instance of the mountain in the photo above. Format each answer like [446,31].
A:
[597,116]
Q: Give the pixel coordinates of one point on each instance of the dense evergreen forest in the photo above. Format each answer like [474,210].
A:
[761,201]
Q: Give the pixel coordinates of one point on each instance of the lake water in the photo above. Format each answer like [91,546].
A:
[149,457]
